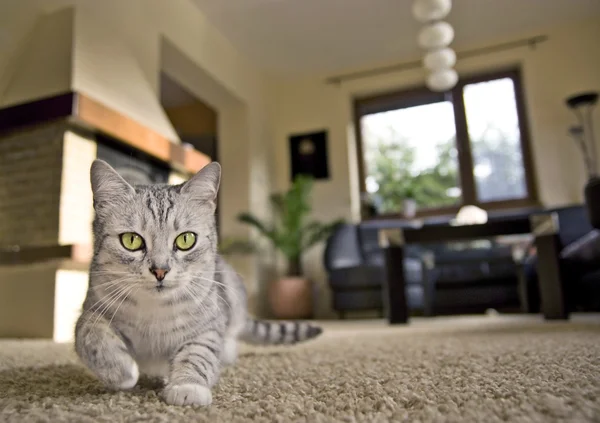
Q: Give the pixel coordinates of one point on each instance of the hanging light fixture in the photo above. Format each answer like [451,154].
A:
[435,38]
[431,10]
[439,59]
[442,80]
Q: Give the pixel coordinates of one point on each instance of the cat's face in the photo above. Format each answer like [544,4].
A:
[157,238]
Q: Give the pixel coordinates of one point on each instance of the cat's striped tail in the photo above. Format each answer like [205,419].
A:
[264,332]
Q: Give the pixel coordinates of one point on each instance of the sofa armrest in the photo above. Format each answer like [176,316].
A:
[343,249]
[586,250]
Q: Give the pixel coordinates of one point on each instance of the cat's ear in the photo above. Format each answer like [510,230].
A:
[107,184]
[204,185]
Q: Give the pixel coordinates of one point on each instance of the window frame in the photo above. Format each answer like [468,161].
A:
[421,95]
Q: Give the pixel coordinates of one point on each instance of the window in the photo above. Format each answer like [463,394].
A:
[445,150]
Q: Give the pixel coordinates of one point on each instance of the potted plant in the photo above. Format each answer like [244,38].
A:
[291,296]
[409,202]
[582,105]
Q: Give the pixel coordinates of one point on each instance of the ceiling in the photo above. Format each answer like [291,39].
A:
[322,37]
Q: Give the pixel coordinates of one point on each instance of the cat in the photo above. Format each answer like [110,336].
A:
[161,301]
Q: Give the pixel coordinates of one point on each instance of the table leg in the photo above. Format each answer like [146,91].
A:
[394,289]
[550,280]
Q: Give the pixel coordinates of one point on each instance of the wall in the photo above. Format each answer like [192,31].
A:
[41,301]
[105,70]
[27,301]
[567,63]
[41,66]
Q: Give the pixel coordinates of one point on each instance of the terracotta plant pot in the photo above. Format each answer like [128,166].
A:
[291,297]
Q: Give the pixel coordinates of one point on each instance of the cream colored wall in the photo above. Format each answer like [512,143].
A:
[41,301]
[16,33]
[40,66]
[27,301]
[105,69]
[567,63]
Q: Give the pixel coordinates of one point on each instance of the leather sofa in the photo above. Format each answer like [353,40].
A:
[355,265]
[461,281]
[579,263]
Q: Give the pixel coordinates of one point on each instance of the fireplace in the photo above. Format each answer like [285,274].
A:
[135,167]
[46,206]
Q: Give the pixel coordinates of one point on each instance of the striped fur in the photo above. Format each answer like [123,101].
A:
[184,327]
[274,333]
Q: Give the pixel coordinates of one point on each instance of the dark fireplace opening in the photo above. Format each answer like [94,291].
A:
[134,166]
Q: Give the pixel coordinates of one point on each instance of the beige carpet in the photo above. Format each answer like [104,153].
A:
[484,369]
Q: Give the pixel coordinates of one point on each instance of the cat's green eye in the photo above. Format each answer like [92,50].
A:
[132,241]
[185,241]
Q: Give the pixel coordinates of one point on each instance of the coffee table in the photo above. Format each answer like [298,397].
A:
[543,226]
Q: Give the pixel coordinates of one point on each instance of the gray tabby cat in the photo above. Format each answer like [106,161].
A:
[161,301]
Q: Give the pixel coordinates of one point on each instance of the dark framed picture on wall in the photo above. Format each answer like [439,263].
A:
[308,155]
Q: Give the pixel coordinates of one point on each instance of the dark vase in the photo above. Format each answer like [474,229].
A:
[592,200]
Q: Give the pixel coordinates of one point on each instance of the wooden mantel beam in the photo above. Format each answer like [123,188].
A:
[87,112]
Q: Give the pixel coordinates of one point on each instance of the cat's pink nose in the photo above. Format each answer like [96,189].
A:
[159,273]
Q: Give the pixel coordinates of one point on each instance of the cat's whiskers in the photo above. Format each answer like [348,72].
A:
[212,281]
[226,272]
[110,273]
[108,294]
[206,312]
[189,292]
[122,295]
[91,313]
[109,303]
[214,301]
[219,296]
[108,306]
[114,281]
[135,287]
[109,288]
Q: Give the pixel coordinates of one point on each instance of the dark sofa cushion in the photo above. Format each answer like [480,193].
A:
[343,248]
[358,300]
[476,265]
[584,251]
[356,277]
[573,223]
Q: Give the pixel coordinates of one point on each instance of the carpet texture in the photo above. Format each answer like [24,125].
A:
[483,369]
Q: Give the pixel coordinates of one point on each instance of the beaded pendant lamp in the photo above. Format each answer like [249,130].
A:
[435,38]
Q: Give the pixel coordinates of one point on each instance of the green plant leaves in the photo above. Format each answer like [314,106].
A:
[290,232]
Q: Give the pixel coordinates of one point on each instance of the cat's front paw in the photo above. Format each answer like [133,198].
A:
[187,394]
[130,379]
[119,376]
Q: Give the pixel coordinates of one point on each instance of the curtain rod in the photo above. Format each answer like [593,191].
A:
[531,42]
